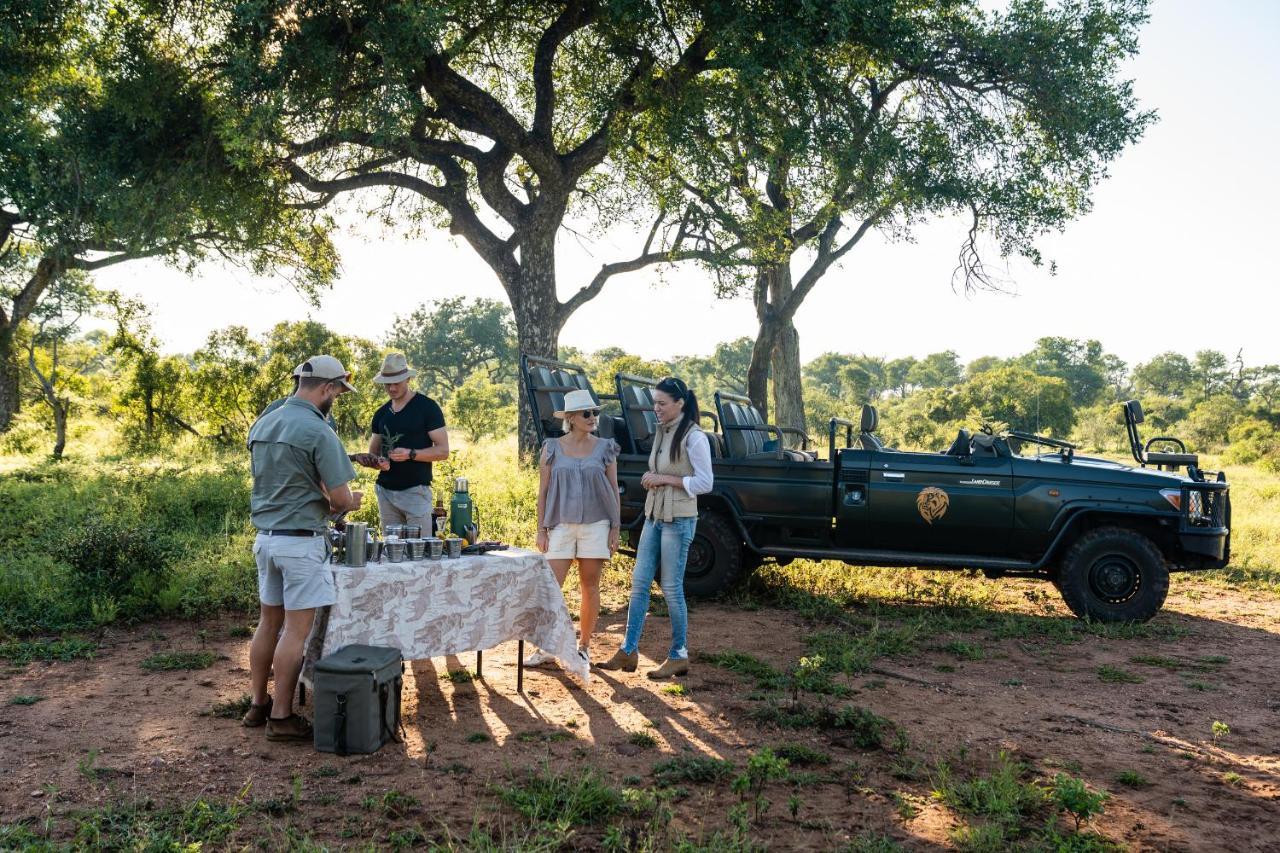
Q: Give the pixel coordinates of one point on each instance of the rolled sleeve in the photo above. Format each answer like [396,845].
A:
[699,450]
[332,463]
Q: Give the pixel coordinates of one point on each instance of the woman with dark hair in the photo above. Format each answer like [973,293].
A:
[679,471]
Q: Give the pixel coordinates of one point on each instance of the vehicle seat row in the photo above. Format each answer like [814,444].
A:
[745,432]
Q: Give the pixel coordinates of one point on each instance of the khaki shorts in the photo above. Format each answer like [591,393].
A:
[294,571]
[589,541]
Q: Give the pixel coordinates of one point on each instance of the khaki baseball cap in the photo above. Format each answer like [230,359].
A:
[325,367]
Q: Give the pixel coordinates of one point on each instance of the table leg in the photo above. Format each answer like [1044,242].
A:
[479,664]
[520,667]
[302,693]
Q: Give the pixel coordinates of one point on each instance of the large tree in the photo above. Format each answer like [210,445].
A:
[448,340]
[880,115]
[492,120]
[112,152]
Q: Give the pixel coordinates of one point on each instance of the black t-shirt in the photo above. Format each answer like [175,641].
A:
[420,416]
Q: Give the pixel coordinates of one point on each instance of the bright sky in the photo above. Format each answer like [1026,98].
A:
[1177,253]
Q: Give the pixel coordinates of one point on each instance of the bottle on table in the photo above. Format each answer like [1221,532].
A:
[438,518]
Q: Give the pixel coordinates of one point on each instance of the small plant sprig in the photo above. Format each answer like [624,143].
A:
[389,440]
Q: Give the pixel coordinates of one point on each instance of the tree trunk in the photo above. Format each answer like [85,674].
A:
[10,373]
[59,426]
[776,350]
[788,396]
[538,321]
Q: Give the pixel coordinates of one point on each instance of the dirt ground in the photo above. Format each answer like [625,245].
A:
[1044,704]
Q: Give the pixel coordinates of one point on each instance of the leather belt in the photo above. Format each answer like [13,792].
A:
[290,533]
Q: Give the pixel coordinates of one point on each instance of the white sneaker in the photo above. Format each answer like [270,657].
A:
[538,658]
[585,654]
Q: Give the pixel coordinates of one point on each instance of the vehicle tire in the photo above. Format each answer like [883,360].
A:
[1113,575]
[715,556]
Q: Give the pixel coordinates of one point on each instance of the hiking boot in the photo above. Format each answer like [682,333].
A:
[672,667]
[256,715]
[290,728]
[621,661]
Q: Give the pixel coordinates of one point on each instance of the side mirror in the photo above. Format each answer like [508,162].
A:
[1133,412]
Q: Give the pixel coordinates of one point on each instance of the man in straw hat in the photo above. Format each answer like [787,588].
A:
[300,476]
[414,424]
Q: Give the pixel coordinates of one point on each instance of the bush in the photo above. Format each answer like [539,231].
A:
[113,560]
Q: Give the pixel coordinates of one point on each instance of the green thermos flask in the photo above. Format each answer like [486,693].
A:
[462,513]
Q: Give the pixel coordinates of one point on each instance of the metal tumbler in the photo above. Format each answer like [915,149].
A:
[435,547]
[417,548]
[393,531]
[454,547]
[354,543]
[394,549]
[413,531]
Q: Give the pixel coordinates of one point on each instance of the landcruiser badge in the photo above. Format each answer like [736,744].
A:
[932,503]
[979,482]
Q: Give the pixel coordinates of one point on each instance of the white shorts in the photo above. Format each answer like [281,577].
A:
[294,571]
[590,541]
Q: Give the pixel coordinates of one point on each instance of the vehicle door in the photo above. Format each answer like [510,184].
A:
[940,504]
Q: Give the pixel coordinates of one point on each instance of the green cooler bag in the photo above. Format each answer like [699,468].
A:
[357,699]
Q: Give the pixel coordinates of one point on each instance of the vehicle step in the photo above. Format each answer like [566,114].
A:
[899,558]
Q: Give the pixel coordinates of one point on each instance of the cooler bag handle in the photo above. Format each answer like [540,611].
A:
[340,725]
[384,694]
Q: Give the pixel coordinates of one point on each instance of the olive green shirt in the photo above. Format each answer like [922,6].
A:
[293,453]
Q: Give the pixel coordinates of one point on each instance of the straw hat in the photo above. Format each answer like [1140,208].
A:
[395,368]
[577,401]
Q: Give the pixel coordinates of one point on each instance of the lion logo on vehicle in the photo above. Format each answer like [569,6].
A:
[932,503]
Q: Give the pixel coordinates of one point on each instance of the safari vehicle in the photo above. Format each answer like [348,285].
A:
[1017,505]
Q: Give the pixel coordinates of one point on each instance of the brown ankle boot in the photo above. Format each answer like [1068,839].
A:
[672,666]
[622,661]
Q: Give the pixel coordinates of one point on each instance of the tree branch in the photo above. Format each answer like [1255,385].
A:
[572,19]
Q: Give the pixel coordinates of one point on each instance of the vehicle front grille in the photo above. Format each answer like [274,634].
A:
[1206,506]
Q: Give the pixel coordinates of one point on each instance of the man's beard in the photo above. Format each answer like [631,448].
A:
[325,406]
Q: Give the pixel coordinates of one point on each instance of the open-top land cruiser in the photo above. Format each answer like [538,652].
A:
[1107,535]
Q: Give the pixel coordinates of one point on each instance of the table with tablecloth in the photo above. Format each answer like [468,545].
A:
[431,608]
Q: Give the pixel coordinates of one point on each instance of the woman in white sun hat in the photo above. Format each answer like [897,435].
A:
[578,508]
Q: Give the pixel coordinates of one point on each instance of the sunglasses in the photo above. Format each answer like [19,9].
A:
[589,413]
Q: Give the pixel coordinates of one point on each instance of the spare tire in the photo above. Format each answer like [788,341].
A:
[1114,575]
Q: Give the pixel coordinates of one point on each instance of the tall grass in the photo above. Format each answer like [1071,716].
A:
[185,513]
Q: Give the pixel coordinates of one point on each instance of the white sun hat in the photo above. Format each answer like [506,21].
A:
[577,401]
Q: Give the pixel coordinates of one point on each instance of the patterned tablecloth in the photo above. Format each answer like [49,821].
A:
[429,608]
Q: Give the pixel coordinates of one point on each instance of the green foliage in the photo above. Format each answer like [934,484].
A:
[574,798]
[481,409]
[450,341]
[1115,675]
[762,768]
[168,661]
[1003,795]
[1219,730]
[799,754]
[698,769]
[1074,797]
[21,653]
[233,709]
[25,700]
[1132,779]
[115,560]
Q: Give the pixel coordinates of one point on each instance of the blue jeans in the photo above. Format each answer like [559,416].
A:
[668,542]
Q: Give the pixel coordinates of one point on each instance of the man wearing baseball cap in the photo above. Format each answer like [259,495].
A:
[275,404]
[300,475]
[415,425]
